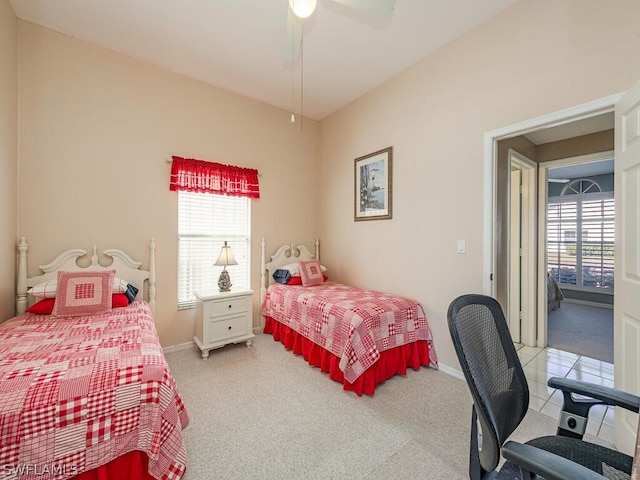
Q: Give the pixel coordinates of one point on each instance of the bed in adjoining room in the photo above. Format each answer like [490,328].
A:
[86,391]
[554,293]
[359,337]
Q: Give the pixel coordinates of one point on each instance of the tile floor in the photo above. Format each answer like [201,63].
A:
[540,364]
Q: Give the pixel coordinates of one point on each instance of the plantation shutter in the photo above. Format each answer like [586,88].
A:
[580,240]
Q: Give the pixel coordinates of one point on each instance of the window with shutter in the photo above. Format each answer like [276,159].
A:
[580,236]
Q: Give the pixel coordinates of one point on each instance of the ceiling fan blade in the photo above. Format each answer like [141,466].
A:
[293,37]
[377,8]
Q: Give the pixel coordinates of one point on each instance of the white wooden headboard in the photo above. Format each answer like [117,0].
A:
[126,268]
[284,255]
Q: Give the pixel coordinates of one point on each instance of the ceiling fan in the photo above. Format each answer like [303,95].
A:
[299,10]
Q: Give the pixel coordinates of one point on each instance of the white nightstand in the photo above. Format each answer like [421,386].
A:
[223,318]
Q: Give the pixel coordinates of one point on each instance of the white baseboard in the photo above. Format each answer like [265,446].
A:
[452,371]
[588,303]
[178,348]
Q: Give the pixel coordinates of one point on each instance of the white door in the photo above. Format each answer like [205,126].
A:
[515,277]
[522,248]
[626,310]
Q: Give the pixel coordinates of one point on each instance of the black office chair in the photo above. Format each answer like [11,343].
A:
[500,394]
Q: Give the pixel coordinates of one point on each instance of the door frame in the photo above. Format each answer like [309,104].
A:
[522,277]
[491,139]
[543,189]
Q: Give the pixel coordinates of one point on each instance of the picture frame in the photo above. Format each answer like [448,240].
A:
[373,186]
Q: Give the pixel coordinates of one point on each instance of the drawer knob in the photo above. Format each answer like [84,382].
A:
[229,306]
[229,327]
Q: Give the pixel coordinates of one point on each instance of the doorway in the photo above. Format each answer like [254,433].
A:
[579,245]
[496,278]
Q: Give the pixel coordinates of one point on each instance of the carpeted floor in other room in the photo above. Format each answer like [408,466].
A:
[582,329]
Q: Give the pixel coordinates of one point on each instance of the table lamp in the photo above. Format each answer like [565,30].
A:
[225,258]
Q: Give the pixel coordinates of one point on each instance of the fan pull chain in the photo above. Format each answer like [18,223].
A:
[293,74]
[301,73]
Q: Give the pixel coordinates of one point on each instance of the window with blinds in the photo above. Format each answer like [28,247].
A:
[580,239]
[205,222]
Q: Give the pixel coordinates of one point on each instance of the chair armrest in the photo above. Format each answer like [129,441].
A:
[606,395]
[575,411]
[547,464]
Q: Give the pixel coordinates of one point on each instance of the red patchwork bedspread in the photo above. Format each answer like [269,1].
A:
[77,392]
[353,324]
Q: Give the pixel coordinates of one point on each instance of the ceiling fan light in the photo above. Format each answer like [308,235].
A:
[303,8]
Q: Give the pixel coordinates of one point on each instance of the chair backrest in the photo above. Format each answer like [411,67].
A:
[493,372]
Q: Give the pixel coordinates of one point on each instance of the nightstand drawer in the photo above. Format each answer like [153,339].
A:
[228,328]
[227,307]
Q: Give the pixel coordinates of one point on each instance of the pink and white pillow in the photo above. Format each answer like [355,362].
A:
[83,293]
[310,272]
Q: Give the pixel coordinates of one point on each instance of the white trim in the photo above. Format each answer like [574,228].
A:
[451,371]
[588,158]
[178,348]
[588,303]
[568,115]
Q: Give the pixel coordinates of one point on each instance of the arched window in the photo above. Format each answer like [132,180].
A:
[581,186]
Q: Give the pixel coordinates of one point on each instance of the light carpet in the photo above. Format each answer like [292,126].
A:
[263,413]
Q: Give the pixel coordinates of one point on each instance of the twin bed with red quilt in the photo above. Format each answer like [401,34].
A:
[88,396]
[359,337]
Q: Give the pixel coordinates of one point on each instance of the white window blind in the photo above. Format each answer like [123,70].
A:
[580,239]
[205,222]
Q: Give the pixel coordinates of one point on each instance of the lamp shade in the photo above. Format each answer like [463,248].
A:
[226,257]
[303,8]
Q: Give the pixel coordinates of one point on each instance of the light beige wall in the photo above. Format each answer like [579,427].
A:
[538,56]
[8,157]
[96,129]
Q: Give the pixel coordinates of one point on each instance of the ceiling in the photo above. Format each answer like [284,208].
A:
[591,169]
[239,45]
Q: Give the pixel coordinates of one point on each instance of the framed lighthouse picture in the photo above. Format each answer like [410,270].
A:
[373,191]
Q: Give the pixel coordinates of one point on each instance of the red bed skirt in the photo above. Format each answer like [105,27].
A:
[391,362]
[131,466]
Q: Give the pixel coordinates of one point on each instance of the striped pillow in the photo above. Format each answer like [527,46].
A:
[50,289]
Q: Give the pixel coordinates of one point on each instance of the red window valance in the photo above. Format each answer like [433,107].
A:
[193,175]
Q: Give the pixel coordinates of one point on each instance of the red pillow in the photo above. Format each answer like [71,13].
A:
[298,280]
[45,306]
[119,300]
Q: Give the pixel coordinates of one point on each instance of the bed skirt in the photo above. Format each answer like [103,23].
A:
[393,361]
[131,466]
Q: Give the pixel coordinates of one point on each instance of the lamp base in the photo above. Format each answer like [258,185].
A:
[224,282]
